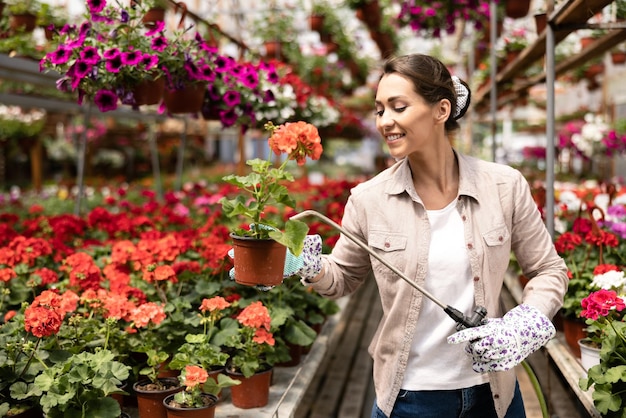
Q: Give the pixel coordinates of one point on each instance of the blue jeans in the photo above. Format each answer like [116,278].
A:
[474,402]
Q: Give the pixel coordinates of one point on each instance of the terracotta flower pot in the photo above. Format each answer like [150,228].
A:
[316,22]
[207,411]
[186,100]
[618,57]
[150,400]
[541,20]
[23,22]
[253,392]
[149,92]
[153,15]
[574,330]
[516,9]
[258,261]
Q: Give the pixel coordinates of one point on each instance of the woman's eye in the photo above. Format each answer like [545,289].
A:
[399,109]
[379,112]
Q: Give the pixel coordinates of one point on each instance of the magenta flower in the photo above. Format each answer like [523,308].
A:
[131,57]
[90,55]
[158,27]
[82,68]
[149,61]
[96,6]
[59,56]
[232,98]
[159,43]
[114,64]
[106,100]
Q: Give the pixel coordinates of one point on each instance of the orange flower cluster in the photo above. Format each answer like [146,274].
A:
[194,376]
[257,316]
[214,304]
[24,250]
[45,314]
[146,313]
[298,140]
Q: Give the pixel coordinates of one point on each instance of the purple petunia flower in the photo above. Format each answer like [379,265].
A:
[206,73]
[228,118]
[111,53]
[131,57]
[60,56]
[90,54]
[106,100]
[124,16]
[158,27]
[82,68]
[232,98]
[250,79]
[114,64]
[96,6]
[159,43]
[149,61]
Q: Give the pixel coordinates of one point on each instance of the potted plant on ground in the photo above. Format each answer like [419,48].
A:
[199,396]
[263,188]
[604,311]
[252,354]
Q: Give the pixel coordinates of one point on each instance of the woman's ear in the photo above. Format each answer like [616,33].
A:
[443,109]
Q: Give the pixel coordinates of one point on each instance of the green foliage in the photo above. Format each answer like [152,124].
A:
[608,378]
[81,386]
[262,188]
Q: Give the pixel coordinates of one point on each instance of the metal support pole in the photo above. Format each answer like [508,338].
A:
[181,157]
[550,129]
[493,18]
[154,156]
[80,162]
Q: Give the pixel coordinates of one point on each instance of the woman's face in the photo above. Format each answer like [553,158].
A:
[404,119]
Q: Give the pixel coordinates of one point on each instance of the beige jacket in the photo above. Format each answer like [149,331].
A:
[500,216]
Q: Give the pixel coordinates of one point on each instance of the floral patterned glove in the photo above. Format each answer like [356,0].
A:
[309,263]
[504,342]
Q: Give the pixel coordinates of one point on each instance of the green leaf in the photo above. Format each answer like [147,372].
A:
[604,400]
[299,333]
[293,237]
[615,374]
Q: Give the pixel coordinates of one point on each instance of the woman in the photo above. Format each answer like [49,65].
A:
[449,222]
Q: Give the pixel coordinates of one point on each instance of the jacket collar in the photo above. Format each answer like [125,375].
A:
[401,180]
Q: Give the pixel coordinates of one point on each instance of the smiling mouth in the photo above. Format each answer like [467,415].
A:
[395,137]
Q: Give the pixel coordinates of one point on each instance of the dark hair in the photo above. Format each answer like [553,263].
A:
[431,80]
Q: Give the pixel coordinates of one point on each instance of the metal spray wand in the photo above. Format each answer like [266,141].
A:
[476,319]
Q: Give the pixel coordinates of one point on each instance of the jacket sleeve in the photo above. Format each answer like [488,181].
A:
[347,267]
[534,249]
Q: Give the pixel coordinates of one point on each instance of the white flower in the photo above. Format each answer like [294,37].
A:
[611,280]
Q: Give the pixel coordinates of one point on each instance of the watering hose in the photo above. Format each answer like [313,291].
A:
[476,319]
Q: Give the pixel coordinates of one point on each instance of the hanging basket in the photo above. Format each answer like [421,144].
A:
[156,14]
[516,9]
[316,22]
[185,100]
[23,22]
[258,262]
[149,91]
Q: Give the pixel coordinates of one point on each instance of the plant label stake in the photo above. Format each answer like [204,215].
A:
[477,317]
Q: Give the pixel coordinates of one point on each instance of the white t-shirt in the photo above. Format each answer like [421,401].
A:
[433,363]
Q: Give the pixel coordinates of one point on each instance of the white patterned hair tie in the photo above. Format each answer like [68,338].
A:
[462,97]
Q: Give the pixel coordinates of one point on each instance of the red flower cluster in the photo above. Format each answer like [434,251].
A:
[601,303]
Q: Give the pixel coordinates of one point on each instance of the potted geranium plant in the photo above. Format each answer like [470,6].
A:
[200,392]
[604,311]
[264,188]
[252,354]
